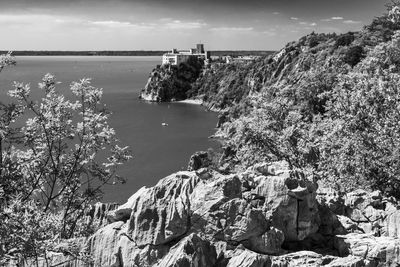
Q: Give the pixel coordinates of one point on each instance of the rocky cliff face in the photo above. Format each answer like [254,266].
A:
[171,83]
[259,217]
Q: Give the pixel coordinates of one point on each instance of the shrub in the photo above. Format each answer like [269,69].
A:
[345,39]
[354,55]
[51,169]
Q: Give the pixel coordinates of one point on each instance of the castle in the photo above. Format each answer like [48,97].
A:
[176,57]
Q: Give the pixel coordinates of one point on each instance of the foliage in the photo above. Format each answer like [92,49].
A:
[313,41]
[345,39]
[53,167]
[331,110]
[354,55]
[363,133]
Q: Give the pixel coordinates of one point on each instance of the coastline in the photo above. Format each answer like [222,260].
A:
[191,101]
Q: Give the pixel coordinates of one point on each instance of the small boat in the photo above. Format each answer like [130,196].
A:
[164,124]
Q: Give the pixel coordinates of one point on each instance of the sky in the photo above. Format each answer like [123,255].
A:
[165,24]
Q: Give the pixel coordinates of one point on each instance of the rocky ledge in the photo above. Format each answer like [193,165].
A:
[260,217]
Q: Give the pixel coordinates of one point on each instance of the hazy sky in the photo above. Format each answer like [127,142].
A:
[163,24]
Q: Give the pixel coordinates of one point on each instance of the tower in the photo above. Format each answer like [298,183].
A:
[200,48]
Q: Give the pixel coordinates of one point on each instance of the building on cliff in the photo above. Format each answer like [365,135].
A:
[176,57]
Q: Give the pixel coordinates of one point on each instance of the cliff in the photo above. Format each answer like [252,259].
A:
[171,83]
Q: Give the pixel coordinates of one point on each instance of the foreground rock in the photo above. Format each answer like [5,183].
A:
[256,209]
[258,217]
[384,251]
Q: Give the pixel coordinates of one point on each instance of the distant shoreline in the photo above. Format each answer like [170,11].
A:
[134,53]
[191,101]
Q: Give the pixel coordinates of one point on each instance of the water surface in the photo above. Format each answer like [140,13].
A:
[158,151]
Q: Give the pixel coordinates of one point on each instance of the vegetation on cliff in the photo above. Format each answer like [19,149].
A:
[328,104]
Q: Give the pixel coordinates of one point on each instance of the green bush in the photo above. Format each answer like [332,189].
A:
[354,55]
[345,39]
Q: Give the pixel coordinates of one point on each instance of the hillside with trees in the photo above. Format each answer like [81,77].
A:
[328,104]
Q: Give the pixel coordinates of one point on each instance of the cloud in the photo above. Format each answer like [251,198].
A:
[184,25]
[111,23]
[276,13]
[270,32]
[294,18]
[164,23]
[120,25]
[232,29]
[332,18]
[311,24]
[22,19]
[352,21]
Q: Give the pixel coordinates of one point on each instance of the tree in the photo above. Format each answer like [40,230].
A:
[354,55]
[67,153]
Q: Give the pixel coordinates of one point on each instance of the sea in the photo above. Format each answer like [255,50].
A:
[157,150]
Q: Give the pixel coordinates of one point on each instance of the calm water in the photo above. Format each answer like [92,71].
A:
[158,151]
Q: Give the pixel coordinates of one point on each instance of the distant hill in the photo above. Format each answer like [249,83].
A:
[236,53]
[131,53]
[86,53]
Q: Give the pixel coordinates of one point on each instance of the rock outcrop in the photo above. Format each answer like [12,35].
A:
[98,214]
[262,216]
[200,218]
[171,83]
[199,160]
[259,217]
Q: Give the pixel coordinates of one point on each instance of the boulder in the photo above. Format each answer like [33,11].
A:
[124,211]
[300,258]
[366,209]
[377,250]
[271,168]
[290,204]
[190,251]
[239,221]
[97,216]
[391,225]
[199,160]
[311,259]
[331,198]
[268,243]
[112,246]
[207,204]
[103,245]
[162,214]
[350,261]
[247,258]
